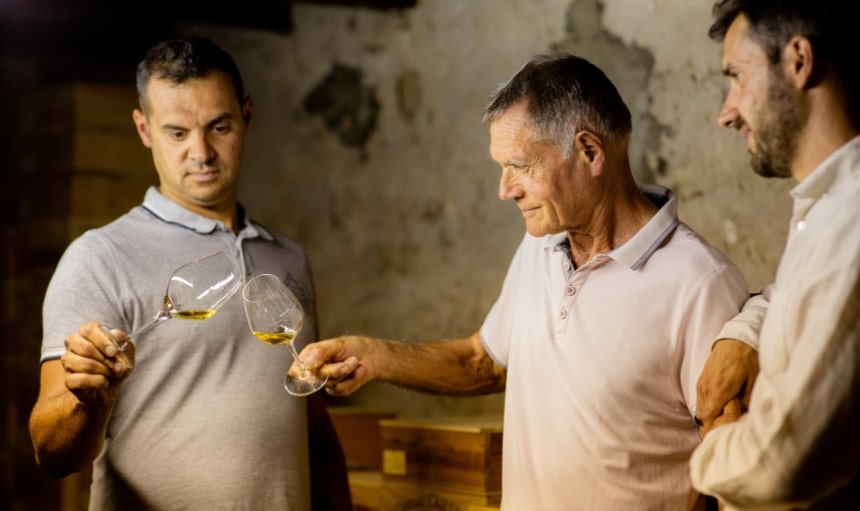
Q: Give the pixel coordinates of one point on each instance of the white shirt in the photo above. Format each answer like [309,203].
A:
[800,440]
[602,364]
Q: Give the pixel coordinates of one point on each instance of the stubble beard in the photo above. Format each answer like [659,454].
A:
[781,119]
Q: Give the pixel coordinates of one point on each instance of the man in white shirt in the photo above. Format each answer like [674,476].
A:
[605,319]
[794,98]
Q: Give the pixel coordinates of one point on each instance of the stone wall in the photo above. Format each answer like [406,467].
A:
[367,146]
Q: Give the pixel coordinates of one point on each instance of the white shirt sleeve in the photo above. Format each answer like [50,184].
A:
[746,326]
[798,442]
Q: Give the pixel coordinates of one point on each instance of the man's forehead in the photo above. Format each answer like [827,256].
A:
[738,46]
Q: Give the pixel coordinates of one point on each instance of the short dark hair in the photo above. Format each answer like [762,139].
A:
[184,58]
[565,95]
[828,24]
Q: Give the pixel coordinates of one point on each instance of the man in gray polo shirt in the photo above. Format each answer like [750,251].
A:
[605,319]
[202,420]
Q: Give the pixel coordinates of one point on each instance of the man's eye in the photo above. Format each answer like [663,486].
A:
[521,170]
[177,134]
[221,128]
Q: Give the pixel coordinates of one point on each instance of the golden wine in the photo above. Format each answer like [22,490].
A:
[276,337]
[195,314]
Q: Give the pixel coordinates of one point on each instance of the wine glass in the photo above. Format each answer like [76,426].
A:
[195,291]
[275,316]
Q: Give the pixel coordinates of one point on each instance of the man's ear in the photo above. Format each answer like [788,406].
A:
[142,127]
[798,58]
[247,112]
[588,149]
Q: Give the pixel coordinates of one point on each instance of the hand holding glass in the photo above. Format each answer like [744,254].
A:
[196,291]
[275,316]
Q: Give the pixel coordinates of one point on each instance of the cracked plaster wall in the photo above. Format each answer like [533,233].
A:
[394,196]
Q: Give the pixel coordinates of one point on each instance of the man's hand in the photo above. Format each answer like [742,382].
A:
[93,369]
[726,383]
[345,360]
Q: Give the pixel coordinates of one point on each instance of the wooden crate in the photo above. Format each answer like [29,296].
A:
[358,431]
[78,106]
[370,491]
[86,126]
[402,496]
[457,453]
[81,194]
[365,488]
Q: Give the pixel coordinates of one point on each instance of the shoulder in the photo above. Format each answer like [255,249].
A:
[696,251]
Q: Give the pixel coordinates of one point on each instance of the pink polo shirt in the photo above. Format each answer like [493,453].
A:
[602,363]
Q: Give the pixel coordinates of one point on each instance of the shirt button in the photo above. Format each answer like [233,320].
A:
[563,314]
[801,225]
[567,266]
[571,290]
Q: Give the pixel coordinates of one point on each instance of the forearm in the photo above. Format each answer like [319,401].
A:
[66,433]
[452,367]
[797,443]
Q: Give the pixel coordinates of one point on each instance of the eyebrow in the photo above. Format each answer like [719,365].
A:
[213,122]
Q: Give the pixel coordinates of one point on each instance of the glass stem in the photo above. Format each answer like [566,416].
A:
[298,360]
[161,316]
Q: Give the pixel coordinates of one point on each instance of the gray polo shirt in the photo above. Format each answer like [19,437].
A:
[203,422]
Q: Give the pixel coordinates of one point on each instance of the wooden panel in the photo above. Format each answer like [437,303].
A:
[358,431]
[365,488]
[413,496]
[372,492]
[82,126]
[458,453]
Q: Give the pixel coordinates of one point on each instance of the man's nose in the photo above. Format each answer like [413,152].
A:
[728,116]
[200,151]
[508,188]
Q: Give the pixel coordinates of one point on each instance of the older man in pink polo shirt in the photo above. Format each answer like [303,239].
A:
[605,320]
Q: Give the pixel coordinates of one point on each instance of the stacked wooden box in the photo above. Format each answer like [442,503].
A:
[79,164]
[357,429]
[451,463]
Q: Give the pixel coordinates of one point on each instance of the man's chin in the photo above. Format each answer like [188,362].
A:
[540,231]
[768,171]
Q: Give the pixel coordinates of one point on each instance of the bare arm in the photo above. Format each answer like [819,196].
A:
[725,385]
[76,397]
[453,367]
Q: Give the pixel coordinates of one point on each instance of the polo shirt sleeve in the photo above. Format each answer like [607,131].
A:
[719,297]
[499,323]
[79,291]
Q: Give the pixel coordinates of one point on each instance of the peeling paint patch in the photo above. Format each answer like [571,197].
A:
[349,108]
[630,68]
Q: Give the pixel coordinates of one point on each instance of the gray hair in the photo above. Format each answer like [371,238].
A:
[565,94]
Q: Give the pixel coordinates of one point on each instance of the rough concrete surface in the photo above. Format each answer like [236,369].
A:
[389,183]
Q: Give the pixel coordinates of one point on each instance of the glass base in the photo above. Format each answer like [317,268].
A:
[304,385]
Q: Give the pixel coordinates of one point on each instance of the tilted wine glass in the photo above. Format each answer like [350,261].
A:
[275,316]
[195,291]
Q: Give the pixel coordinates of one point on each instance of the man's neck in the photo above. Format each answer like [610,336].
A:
[829,127]
[621,218]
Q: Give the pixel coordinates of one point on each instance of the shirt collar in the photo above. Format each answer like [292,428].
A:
[171,212]
[639,248]
[841,166]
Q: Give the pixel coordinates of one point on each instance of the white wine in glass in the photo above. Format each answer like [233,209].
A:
[275,316]
[195,291]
